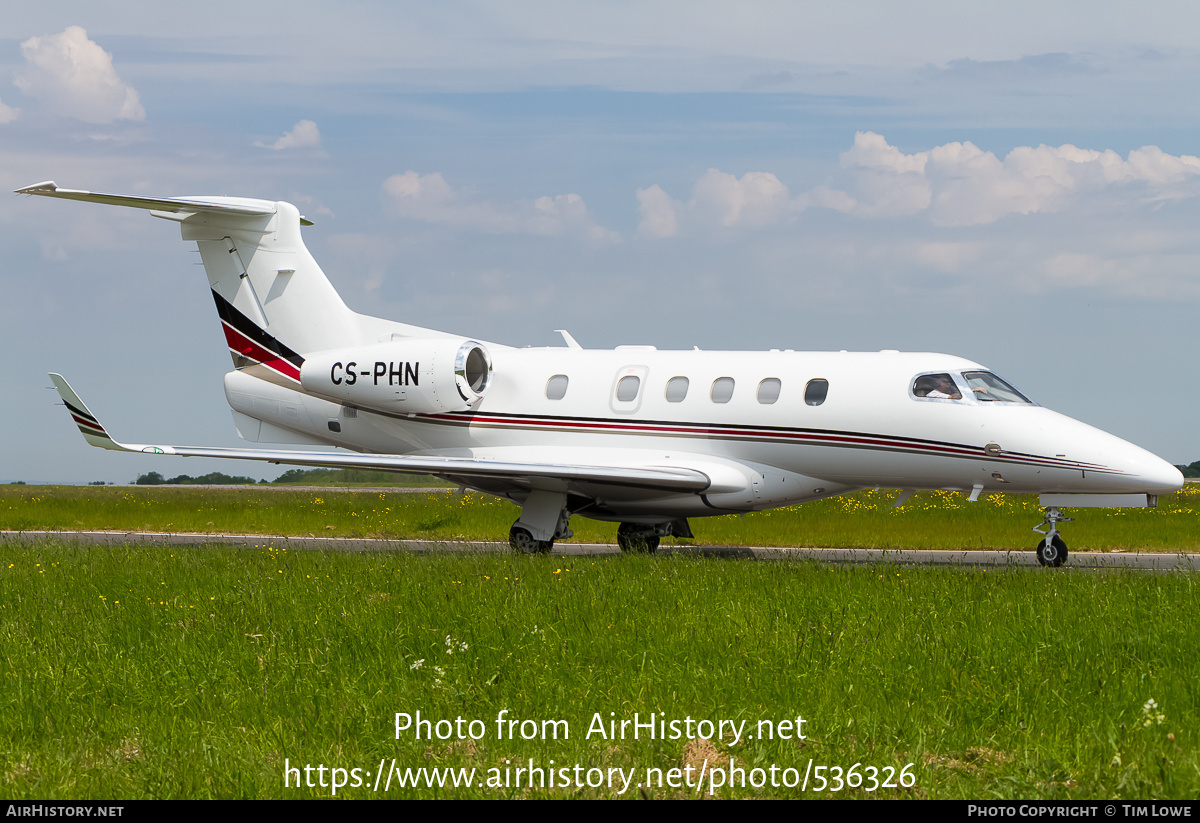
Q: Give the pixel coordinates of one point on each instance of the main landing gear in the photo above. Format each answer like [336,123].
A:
[544,519]
[633,538]
[522,541]
[1053,550]
[636,538]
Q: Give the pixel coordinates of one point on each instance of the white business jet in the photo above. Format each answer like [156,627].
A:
[640,437]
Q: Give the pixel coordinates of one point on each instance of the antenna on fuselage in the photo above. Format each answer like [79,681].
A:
[572,343]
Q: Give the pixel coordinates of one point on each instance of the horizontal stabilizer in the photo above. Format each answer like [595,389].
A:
[241,206]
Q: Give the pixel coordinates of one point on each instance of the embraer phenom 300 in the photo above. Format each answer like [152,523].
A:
[641,437]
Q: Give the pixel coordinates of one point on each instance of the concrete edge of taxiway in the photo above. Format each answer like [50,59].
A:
[1092,560]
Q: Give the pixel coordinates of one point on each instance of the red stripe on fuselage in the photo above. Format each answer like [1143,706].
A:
[246,347]
[830,438]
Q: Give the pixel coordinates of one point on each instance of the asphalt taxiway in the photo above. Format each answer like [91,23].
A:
[927,557]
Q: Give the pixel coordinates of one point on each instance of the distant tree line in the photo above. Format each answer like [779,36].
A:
[367,476]
[292,477]
[1190,470]
[211,479]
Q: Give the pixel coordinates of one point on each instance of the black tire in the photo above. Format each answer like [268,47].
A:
[1054,555]
[522,541]
[635,539]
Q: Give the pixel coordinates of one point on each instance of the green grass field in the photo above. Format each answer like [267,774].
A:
[935,520]
[212,672]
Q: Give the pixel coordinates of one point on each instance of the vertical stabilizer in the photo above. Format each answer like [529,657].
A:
[275,303]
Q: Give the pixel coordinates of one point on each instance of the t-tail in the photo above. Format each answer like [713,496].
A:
[275,304]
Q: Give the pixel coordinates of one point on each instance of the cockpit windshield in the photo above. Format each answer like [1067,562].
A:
[984,386]
[988,388]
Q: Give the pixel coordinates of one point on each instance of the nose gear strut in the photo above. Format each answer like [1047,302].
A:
[1053,550]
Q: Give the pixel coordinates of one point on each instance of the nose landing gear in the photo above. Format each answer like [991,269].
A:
[1053,550]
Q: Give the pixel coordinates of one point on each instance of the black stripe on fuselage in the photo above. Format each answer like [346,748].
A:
[726,431]
[251,330]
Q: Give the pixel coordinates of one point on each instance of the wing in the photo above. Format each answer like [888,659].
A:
[666,479]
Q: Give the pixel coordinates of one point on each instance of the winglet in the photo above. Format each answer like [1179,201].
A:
[89,426]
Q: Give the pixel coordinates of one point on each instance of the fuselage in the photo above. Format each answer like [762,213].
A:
[809,424]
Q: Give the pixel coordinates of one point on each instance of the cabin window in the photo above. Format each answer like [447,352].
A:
[936,387]
[768,390]
[816,391]
[556,387]
[627,388]
[722,390]
[677,389]
[988,388]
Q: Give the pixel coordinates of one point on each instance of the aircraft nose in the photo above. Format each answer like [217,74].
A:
[1122,467]
[1165,478]
[1154,475]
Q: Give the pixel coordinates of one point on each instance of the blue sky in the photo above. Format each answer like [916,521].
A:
[1017,185]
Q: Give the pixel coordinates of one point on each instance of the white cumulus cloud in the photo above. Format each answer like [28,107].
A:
[73,76]
[755,199]
[430,198]
[955,184]
[304,135]
[888,183]
[659,213]
[959,184]
[7,113]
[719,199]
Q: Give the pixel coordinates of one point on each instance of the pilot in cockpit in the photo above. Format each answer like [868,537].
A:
[938,386]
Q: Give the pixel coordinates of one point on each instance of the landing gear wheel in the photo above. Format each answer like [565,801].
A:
[635,539]
[522,540]
[1052,551]
[1054,554]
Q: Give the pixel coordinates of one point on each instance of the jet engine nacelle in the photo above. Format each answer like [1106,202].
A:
[404,375]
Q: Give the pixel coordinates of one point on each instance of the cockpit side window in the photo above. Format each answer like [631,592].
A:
[988,388]
[936,387]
